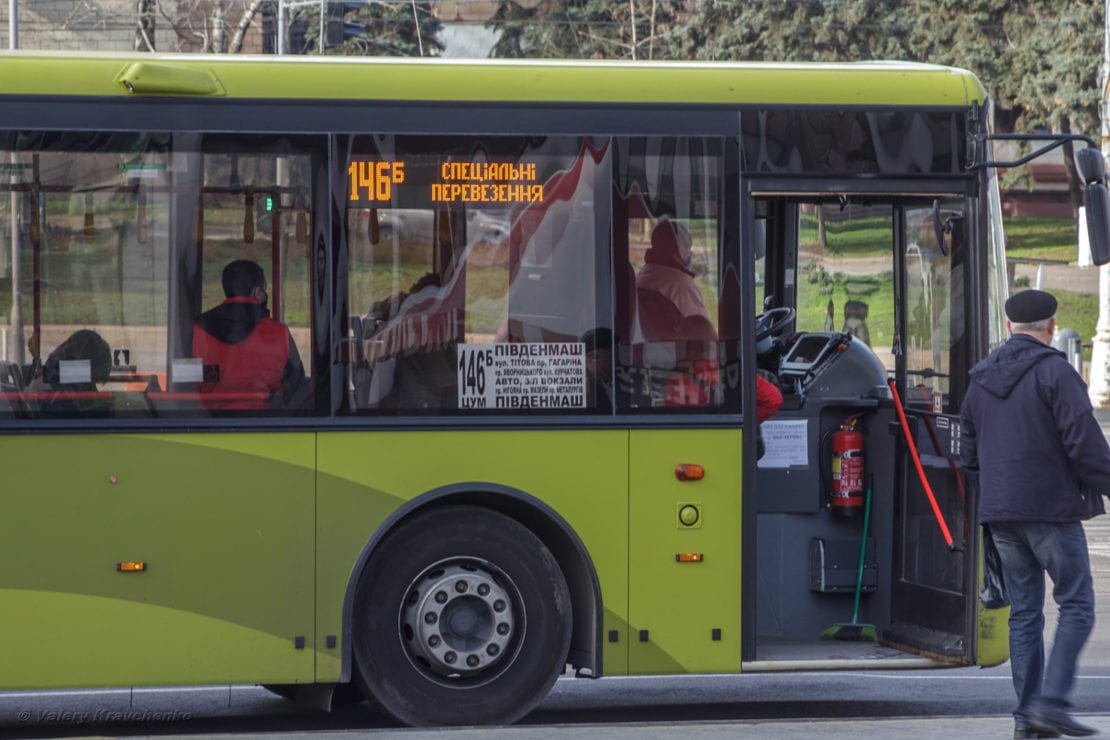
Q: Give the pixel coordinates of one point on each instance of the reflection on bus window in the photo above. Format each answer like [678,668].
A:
[480,276]
[472,273]
[936,330]
[846,273]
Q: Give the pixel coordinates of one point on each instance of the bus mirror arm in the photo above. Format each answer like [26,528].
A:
[977,148]
[1090,164]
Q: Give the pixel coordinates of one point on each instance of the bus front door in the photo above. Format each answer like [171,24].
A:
[933,604]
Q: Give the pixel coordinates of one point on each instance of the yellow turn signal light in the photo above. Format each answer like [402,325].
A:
[689,471]
[131,567]
[689,557]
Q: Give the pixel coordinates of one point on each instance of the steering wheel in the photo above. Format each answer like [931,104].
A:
[772,322]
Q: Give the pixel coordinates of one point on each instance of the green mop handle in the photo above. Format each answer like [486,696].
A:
[862,548]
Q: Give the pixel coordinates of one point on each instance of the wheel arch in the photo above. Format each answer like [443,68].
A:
[546,523]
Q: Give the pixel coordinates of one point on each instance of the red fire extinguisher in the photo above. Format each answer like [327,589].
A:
[846,498]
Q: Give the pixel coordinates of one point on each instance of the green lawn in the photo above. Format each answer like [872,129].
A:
[1055,239]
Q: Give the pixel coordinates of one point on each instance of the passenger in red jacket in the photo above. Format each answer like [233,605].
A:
[250,359]
[768,397]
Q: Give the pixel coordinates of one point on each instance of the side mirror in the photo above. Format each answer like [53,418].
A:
[1098,222]
[1090,165]
[1092,169]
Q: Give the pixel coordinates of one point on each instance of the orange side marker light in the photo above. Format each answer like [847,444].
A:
[689,471]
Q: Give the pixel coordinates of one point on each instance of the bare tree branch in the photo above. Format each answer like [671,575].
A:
[245,21]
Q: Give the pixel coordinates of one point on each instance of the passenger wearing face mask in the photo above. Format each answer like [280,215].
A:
[665,287]
[250,359]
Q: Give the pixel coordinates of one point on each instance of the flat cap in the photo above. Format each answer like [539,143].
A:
[1030,306]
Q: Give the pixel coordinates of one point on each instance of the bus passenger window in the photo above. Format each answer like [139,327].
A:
[474,274]
[674,346]
[90,270]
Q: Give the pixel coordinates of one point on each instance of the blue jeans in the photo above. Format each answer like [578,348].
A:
[1028,551]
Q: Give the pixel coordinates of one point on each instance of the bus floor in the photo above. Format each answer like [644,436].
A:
[778,654]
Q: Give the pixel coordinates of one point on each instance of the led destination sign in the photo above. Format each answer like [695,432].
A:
[373,182]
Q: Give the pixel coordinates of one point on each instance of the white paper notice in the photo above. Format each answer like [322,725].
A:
[540,375]
[74,371]
[188,370]
[786,444]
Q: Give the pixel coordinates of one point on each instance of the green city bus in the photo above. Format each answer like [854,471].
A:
[531,300]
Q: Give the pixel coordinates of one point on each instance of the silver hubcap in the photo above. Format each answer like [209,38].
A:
[458,619]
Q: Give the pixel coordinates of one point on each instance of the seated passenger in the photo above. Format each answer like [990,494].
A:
[248,352]
[74,368]
[665,287]
[698,377]
[599,368]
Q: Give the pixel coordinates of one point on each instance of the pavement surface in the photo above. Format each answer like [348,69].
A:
[947,728]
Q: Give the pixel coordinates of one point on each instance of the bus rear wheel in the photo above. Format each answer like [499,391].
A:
[461,616]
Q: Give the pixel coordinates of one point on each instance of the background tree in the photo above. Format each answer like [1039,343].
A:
[1035,57]
[144,29]
[207,26]
[1054,63]
[799,31]
[584,29]
[394,28]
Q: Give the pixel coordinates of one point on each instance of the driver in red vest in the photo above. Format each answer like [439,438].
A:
[247,354]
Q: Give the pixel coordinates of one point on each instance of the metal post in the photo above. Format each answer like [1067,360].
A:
[14,352]
[281,27]
[13,24]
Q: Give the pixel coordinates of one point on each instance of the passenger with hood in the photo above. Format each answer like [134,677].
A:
[1029,435]
[247,354]
[665,287]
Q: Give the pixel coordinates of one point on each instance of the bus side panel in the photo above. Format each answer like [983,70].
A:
[685,616]
[365,476]
[223,524]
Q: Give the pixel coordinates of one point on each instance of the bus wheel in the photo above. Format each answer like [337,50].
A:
[462,616]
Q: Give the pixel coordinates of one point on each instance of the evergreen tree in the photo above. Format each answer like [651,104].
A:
[393,28]
[584,29]
[783,30]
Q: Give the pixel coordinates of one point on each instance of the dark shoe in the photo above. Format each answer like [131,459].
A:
[1022,731]
[1061,724]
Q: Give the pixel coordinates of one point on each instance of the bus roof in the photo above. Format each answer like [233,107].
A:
[517,81]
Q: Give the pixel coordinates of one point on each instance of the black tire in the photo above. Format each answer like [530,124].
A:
[461,616]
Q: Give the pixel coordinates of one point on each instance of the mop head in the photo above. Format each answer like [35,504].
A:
[853,631]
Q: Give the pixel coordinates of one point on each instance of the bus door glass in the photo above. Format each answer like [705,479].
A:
[933,608]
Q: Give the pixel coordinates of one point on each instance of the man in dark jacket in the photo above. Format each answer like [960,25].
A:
[251,361]
[1029,435]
